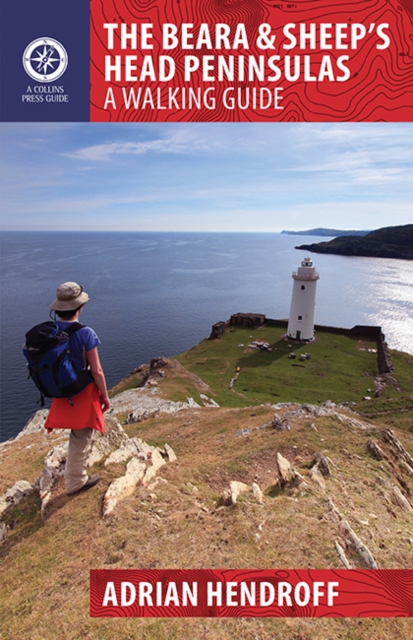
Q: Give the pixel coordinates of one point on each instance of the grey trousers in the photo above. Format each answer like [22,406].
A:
[80,445]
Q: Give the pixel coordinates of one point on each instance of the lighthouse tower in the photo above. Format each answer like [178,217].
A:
[301,320]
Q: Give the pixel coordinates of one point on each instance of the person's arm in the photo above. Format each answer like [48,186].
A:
[96,370]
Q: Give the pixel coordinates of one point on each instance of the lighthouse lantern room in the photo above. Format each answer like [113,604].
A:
[302,309]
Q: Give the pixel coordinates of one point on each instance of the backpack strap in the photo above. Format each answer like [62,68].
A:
[73,328]
[70,331]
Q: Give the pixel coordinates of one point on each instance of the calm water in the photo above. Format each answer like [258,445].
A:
[159,293]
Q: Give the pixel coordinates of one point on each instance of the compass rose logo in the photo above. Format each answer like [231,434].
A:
[45,59]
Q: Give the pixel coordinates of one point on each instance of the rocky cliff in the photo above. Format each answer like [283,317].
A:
[191,484]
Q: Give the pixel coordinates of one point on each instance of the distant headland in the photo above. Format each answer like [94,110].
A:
[388,242]
[322,231]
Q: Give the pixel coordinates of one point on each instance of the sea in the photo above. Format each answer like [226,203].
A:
[158,294]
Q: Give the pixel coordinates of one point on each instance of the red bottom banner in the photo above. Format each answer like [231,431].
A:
[248,593]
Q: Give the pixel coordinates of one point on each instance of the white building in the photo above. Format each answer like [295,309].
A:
[302,309]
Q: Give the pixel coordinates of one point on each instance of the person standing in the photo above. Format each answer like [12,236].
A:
[83,413]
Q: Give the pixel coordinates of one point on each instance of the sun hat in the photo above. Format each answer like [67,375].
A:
[69,295]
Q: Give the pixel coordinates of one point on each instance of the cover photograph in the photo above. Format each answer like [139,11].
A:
[206,422]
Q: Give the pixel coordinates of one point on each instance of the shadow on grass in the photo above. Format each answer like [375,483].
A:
[26,518]
[274,491]
[263,358]
[22,521]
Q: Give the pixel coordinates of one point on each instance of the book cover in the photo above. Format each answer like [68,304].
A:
[153,152]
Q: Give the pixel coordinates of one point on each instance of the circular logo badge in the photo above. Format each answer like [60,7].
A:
[45,59]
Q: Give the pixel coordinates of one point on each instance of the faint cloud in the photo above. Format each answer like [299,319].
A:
[183,140]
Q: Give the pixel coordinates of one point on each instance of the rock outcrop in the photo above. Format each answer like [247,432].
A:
[54,466]
[103,445]
[279,424]
[123,486]
[397,449]
[20,490]
[357,546]
[325,409]
[142,467]
[284,470]
[35,424]
[140,406]
[13,496]
[236,488]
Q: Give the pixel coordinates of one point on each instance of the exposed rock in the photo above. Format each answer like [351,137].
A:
[170,453]
[20,490]
[322,464]
[317,477]
[279,424]
[257,493]
[400,499]
[226,499]
[231,493]
[104,444]
[375,450]
[284,469]
[142,369]
[35,424]
[157,462]
[208,402]
[237,488]
[246,431]
[54,465]
[342,555]
[131,447]
[157,363]
[144,447]
[406,468]
[3,532]
[383,381]
[333,512]
[303,410]
[138,403]
[157,459]
[297,483]
[190,404]
[397,448]
[139,415]
[357,546]
[123,486]
[295,410]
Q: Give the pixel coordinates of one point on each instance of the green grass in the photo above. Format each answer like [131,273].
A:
[132,382]
[338,370]
[394,408]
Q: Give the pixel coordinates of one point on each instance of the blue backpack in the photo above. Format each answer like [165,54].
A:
[50,362]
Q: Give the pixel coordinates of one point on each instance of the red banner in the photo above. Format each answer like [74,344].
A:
[207,60]
[251,593]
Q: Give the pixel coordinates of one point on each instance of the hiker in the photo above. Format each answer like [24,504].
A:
[83,412]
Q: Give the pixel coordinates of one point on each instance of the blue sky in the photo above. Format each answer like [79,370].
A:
[205,177]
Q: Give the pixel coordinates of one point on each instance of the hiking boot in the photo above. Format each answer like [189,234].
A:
[90,482]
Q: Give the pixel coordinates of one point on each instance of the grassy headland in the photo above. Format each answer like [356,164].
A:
[340,369]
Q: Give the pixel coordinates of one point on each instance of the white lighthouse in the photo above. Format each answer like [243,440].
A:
[302,309]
